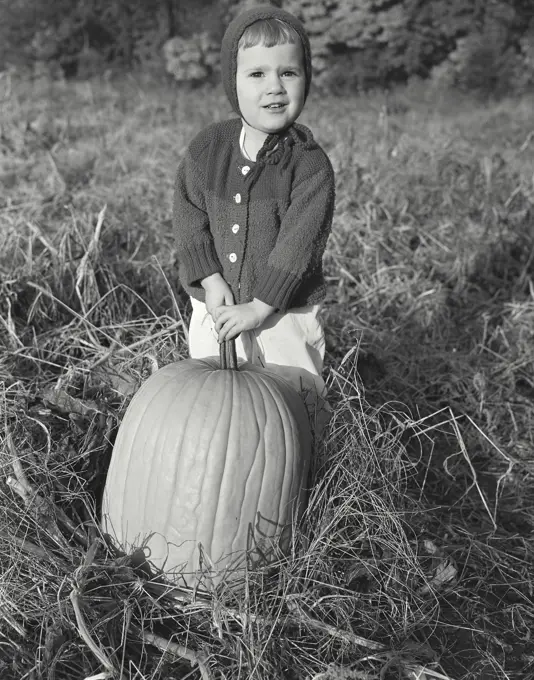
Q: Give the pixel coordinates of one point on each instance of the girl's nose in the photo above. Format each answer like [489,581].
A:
[275,84]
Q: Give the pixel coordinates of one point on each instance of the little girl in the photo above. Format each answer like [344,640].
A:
[253,205]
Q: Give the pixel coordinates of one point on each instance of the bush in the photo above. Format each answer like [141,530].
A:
[193,59]
[490,62]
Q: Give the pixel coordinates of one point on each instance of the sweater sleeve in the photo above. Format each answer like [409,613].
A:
[303,234]
[196,252]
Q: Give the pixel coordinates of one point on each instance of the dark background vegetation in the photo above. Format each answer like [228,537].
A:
[478,45]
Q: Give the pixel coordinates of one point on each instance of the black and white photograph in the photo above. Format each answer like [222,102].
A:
[266,339]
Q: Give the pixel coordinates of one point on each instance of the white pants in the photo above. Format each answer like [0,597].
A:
[291,345]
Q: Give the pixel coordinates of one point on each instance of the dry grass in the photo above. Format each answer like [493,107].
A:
[415,556]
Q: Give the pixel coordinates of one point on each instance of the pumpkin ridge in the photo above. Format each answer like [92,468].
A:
[129,469]
[269,464]
[120,469]
[282,427]
[156,467]
[226,487]
[187,460]
[258,458]
[225,383]
[288,495]
[176,445]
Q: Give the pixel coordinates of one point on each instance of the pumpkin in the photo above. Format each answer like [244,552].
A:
[209,465]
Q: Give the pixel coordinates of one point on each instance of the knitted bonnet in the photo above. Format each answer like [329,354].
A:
[234,32]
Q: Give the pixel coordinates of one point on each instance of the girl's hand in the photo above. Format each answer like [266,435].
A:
[218,293]
[231,321]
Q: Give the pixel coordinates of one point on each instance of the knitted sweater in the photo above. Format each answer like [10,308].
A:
[262,225]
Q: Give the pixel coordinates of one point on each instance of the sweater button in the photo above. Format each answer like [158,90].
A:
[235,228]
[237,198]
[245,169]
[232,257]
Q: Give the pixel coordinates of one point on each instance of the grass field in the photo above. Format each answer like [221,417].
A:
[415,556]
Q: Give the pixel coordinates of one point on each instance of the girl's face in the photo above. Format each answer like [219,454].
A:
[270,84]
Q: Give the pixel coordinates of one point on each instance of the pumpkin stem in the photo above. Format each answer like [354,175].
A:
[228,355]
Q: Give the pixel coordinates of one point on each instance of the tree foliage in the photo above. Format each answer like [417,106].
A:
[367,42]
[126,31]
[486,45]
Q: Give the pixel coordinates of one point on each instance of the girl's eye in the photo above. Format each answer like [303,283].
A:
[290,73]
[255,74]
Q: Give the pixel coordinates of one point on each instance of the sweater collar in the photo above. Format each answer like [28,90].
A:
[279,146]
